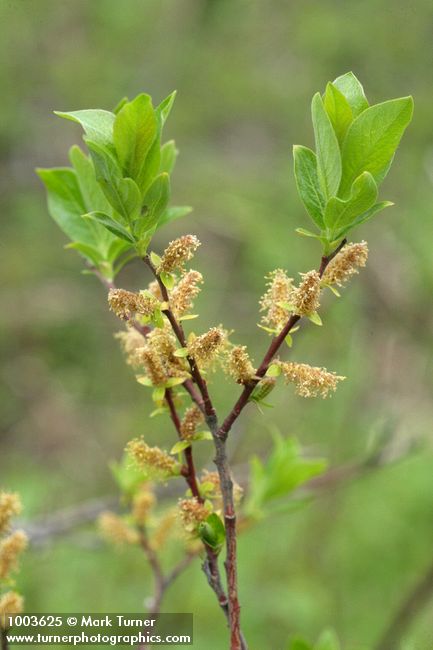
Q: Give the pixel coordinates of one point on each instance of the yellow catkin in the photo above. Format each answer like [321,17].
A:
[164,528]
[278,291]
[10,549]
[10,505]
[239,365]
[310,381]
[115,530]
[184,293]
[192,513]
[306,298]
[131,341]
[192,418]
[214,479]
[204,348]
[152,363]
[346,263]
[152,458]
[142,504]
[155,290]
[158,358]
[10,603]
[177,253]
[125,304]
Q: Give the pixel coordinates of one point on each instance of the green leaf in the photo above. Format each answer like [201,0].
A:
[155,259]
[92,194]
[338,110]
[155,202]
[363,195]
[212,532]
[307,182]
[171,214]
[168,280]
[299,644]
[315,318]
[88,251]
[202,435]
[97,124]
[114,227]
[165,106]
[328,640]
[327,149]
[65,203]
[307,233]
[180,446]
[274,370]
[169,154]
[122,193]
[135,129]
[372,139]
[353,91]
[174,381]
[284,471]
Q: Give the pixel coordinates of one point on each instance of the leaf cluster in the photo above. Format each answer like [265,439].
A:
[111,201]
[355,145]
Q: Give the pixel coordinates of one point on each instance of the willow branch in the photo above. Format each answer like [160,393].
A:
[274,346]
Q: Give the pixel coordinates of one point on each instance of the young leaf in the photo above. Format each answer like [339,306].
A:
[155,202]
[372,139]
[114,227]
[180,446]
[65,203]
[339,111]
[307,182]
[339,214]
[212,532]
[165,107]
[134,131]
[282,473]
[122,193]
[97,124]
[299,644]
[169,154]
[353,91]
[327,149]
[171,214]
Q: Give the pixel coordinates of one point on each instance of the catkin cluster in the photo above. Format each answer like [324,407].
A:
[12,544]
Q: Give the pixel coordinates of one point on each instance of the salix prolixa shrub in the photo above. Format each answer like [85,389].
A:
[110,203]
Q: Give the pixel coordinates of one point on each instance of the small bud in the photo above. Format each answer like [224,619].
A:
[177,253]
[10,505]
[346,263]
[310,381]
[184,293]
[152,458]
[125,304]
[305,298]
[279,289]
[10,603]
[10,549]
[115,529]
[192,513]
[204,348]
[239,365]
[192,418]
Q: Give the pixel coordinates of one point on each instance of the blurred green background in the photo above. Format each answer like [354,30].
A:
[245,72]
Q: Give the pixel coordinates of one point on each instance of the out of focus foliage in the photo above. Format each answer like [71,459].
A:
[244,72]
